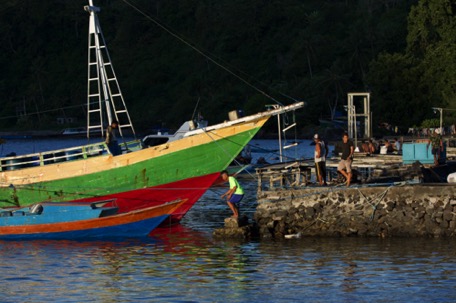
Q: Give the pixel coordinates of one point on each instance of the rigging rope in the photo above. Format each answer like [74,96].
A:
[216,142]
[203,53]
[45,111]
[270,151]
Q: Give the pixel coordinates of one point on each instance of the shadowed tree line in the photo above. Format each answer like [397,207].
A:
[402,51]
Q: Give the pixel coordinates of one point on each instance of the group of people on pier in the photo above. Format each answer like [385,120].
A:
[347,150]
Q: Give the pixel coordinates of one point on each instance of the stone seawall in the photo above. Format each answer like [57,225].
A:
[381,211]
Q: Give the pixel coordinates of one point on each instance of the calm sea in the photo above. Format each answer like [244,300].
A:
[185,264]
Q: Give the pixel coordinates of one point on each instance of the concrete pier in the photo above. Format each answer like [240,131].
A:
[404,210]
[386,199]
[237,228]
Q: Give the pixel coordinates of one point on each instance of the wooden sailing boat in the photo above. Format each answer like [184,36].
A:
[183,168]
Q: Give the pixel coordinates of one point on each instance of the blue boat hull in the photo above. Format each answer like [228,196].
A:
[73,221]
[129,230]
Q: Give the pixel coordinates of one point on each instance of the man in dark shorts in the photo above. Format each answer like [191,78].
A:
[348,150]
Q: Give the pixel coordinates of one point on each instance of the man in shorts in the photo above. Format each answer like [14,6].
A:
[346,159]
[234,195]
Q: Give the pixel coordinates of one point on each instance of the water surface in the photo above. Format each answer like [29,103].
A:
[185,264]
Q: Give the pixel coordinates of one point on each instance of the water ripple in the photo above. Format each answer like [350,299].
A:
[184,264]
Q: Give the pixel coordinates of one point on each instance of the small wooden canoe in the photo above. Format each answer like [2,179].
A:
[81,221]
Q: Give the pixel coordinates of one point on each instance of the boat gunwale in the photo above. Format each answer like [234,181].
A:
[60,155]
[250,118]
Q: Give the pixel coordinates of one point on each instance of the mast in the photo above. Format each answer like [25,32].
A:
[105,102]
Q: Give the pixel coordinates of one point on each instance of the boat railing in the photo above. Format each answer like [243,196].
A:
[63,155]
[131,146]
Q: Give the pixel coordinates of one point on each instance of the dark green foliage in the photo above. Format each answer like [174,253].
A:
[408,83]
[313,50]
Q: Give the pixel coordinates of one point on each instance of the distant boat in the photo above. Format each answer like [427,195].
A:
[260,150]
[75,131]
[15,137]
[81,221]
[79,131]
[162,137]
[142,175]
[340,123]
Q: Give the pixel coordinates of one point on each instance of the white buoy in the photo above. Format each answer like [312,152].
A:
[293,236]
[451,178]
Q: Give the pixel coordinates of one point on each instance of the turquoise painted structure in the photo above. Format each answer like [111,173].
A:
[422,152]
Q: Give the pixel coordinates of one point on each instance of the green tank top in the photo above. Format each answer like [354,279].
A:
[233,183]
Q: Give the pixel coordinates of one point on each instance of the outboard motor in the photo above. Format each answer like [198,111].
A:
[36,209]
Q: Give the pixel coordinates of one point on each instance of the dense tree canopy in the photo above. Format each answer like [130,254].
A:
[409,83]
[313,50]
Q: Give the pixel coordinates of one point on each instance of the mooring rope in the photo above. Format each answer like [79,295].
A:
[224,150]
[379,198]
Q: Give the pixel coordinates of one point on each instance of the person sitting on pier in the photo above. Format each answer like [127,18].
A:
[348,150]
[371,146]
[397,146]
[321,152]
[389,146]
[234,195]
[365,147]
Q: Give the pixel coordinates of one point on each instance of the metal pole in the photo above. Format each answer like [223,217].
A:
[280,138]
[356,131]
[440,109]
[441,121]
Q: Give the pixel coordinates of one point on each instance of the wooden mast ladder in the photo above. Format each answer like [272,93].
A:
[105,102]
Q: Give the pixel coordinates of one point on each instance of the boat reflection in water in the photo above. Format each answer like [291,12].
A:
[159,267]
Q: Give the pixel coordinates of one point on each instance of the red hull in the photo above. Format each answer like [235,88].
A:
[191,189]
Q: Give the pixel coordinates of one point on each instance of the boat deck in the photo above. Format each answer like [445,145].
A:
[62,155]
